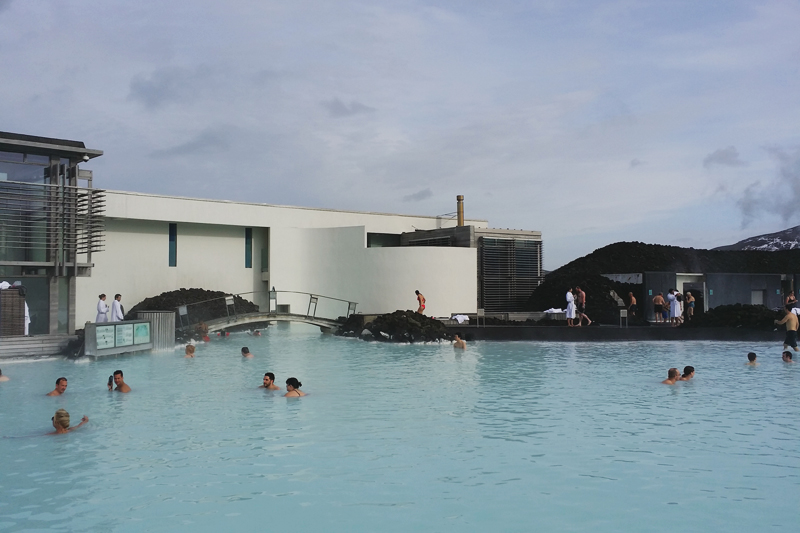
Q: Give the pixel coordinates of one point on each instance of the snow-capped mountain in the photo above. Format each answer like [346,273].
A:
[787,239]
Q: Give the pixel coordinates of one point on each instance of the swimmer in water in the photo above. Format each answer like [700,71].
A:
[751,359]
[293,388]
[2,377]
[119,382]
[688,373]
[672,377]
[246,352]
[61,387]
[61,422]
[459,342]
[269,382]
[189,351]
[787,357]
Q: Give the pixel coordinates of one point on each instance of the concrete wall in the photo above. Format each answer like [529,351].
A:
[335,262]
[137,206]
[135,263]
[331,262]
[726,289]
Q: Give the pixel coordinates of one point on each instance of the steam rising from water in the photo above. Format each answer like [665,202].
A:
[781,196]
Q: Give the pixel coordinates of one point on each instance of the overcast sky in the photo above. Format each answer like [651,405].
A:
[594,122]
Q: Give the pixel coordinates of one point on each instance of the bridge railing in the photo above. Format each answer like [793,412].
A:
[311,305]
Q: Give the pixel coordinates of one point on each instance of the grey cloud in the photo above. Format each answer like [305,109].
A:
[724,156]
[781,196]
[636,162]
[418,196]
[4,4]
[204,143]
[337,109]
[164,86]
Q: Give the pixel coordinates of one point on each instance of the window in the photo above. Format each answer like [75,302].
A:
[248,247]
[173,245]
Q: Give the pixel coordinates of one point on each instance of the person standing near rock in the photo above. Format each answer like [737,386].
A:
[674,308]
[790,319]
[632,308]
[421,301]
[117,313]
[570,308]
[102,310]
[689,305]
[582,307]
[658,307]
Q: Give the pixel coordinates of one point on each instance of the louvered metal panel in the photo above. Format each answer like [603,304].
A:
[509,270]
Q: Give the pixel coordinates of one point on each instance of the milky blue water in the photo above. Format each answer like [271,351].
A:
[507,436]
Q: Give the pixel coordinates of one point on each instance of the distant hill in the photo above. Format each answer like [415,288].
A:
[788,239]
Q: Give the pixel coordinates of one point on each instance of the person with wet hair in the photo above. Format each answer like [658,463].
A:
[787,357]
[119,382]
[751,359]
[672,376]
[190,349]
[459,342]
[269,382]
[61,422]
[2,377]
[688,373]
[61,387]
[246,352]
[293,388]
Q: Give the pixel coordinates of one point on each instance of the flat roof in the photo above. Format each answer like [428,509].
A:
[33,144]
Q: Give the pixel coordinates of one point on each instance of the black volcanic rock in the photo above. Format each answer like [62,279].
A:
[737,316]
[400,326]
[202,305]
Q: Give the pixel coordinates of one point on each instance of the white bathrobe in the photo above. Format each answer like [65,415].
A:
[570,305]
[116,312]
[674,306]
[102,312]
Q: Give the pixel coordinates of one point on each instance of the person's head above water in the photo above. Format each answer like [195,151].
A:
[190,349]
[751,356]
[293,383]
[245,351]
[688,371]
[61,419]
[787,356]
[673,373]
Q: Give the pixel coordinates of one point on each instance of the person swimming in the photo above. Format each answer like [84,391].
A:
[61,422]
[751,359]
[672,376]
[293,388]
[246,352]
[688,373]
[189,351]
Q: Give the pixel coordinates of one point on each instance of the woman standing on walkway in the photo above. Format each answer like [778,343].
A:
[102,309]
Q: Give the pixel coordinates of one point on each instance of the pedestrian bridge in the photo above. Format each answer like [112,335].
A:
[326,325]
[277,312]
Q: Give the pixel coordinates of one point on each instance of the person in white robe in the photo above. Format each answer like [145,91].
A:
[116,309]
[102,310]
[570,308]
[27,319]
[674,307]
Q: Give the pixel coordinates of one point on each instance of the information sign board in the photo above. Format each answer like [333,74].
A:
[141,333]
[105,337]
[124,335]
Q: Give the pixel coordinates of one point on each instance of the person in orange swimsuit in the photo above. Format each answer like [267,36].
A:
[421,300]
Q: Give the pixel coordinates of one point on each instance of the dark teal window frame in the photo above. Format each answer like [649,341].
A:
[173,245]
[248,247]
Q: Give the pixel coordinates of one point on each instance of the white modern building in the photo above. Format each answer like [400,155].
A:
[140,245]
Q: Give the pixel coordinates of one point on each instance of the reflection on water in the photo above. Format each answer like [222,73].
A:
[517,436]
